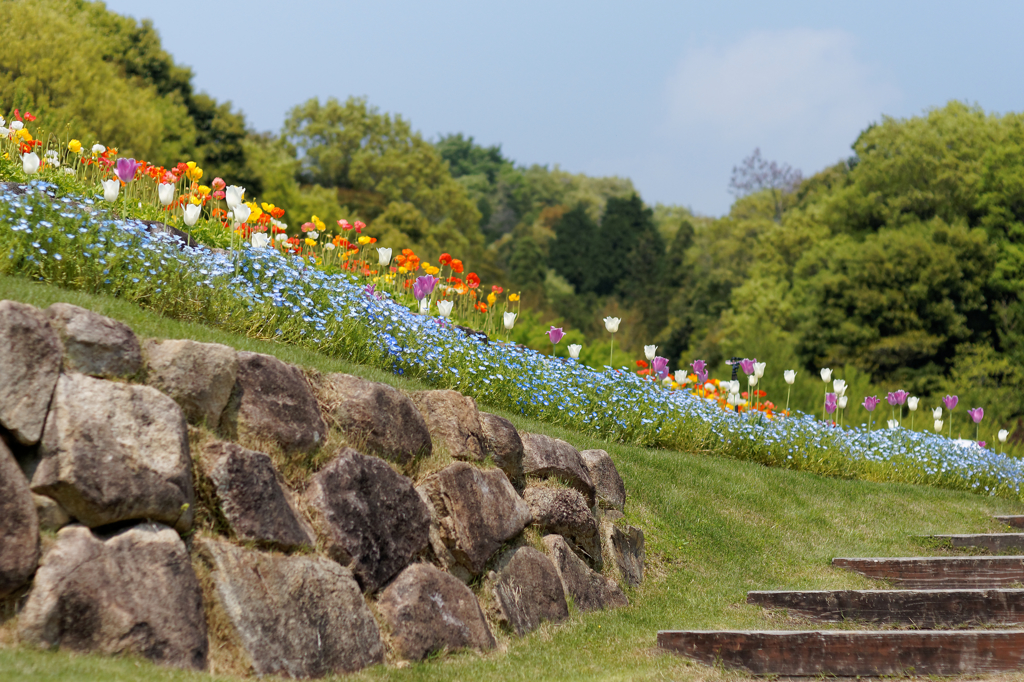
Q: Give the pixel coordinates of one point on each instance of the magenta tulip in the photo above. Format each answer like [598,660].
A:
[871,402]
[423,286]
[747,365]
[698,368]
[901,397]
[126,170]
[659,366]
[831,401]
[977,414]
[555,334]
[950,401]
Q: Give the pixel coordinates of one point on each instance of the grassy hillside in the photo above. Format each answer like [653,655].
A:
[715,528]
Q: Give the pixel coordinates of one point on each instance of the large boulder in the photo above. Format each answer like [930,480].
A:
[31,359]
[529,591]
[296,616]
[51,515]
[19,526]
[198,376]
[272,401]
[376,418]
[589,590]
[625,543]
[547,457]
[131,593]
[454,423]
[476,511]
[115,452]
[254,498]
[95,344]
[563,511]
[428,610]
[503,444]
[372,518]
[608,485]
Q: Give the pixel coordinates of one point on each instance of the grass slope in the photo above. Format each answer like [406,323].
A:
[715,528]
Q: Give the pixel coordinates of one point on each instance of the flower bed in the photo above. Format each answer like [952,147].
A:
[77,243]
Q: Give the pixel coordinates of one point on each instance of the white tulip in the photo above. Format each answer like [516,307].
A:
[111,188]
[937,413]
[667,382]
[912,403]
[734,399]
[384,256]
[681,377]
[509,320]
[443,307]
[233,195]
[892,423]
[843,402]
[166,192]
[1002,435]
[574,350]
[259,240]
[826,375]
[752,380]
[650,351]
[30,162]
[424,305]
[612,324]
[241,214]
[839,386]
[938,426]
[759,369]
[192,212]
[790,375]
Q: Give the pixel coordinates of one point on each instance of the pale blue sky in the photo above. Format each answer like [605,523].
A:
[670,94]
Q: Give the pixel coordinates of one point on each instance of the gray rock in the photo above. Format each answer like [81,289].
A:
[611,491]
[272,401]
[132,593]
[297,616]
[476,511]
[198,376]
[51,515]
[589,590]
[625,543]
[563,511]
[428,610]
[503,444]
[95,344]
[454,423]
[378,419]
[529,591]
[546,457]
[372,518]
[254,498]
[31,355]
[19,526]
[115,452]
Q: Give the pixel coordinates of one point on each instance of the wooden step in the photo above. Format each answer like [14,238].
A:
[1015,521]
[922,573]
[922,608]
[852,653]
[992,542]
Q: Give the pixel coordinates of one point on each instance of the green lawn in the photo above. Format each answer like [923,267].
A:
[715,528]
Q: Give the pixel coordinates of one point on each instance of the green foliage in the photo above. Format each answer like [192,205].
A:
[382,170]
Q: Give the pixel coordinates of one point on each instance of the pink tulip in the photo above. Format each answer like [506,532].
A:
[977,414]
[555,334]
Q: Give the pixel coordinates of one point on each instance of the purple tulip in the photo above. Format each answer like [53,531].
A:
[698,366]
[747,365]
[977,414]
[659,366]
[901,397]
[126,170]
[871,402]
[831,401]
[555,334]
[422,287]
[891,398]
[950,401]
[369,289]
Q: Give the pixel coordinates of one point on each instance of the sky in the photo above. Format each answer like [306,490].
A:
[672,95]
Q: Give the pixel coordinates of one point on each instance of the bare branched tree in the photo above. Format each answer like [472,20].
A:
[756,173]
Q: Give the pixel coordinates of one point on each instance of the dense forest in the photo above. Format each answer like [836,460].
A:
[901,267]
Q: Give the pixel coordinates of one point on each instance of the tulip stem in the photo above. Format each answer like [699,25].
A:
[789,391]
[611,352]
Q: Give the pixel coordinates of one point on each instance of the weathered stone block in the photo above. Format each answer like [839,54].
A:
[94,344]
[547,457]
[611,491]
[454,423]
[503,444]
[197,376]
[19,526]
[31,362]
[589,590]
[564,512]
[529,591]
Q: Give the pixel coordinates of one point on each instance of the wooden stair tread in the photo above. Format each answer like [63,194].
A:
[852,652]
[993,542]
[922,608]
[939,572]
[1015,521]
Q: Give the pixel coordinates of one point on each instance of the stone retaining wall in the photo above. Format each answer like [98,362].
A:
[159,466]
